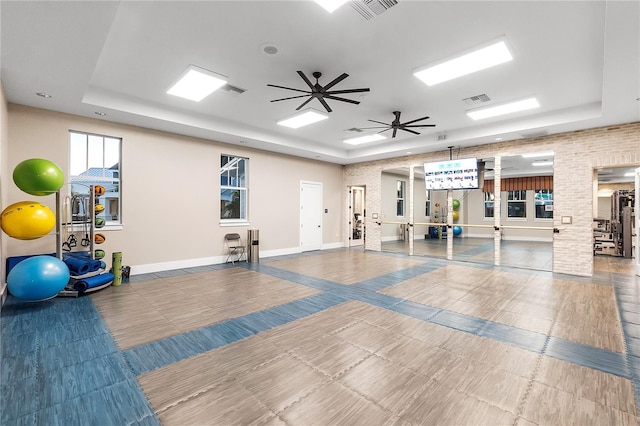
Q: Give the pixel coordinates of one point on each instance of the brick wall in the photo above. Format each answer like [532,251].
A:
[577,155]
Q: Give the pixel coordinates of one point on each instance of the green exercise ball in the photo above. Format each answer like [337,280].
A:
[37,176]
[456,204]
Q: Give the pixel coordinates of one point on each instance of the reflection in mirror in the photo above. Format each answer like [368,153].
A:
[394,214]
[526,216]
[428,209]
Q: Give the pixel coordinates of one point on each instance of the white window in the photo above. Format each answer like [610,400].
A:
[400,198]
[488,204]
[95,160]
[233,188]
[517,204]
[543,201]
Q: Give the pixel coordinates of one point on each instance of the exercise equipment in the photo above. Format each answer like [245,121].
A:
[100,222]
[457,230]
[99,190]
[85,284]
[37,176]
[99,254]
[455,204]
[98,208]
[456,215]
[99,238]
[38,278]
[27,220]
[116,267]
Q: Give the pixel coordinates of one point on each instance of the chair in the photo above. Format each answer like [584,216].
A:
[235,248]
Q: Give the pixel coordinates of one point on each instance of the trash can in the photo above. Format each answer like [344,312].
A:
[253,240]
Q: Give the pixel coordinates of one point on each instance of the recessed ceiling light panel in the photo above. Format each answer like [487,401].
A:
[304,118]
[483,57]
[542,163]
[365,139]
[503,109]
[197,83]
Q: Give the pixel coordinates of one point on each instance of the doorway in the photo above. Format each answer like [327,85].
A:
[357,208]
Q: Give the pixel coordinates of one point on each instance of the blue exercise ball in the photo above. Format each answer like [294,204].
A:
[457,230]
[38,278]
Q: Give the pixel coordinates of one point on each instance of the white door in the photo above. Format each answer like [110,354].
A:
[637,224]
[310,216]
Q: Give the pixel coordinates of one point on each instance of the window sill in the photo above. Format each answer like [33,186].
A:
[517,219]
[239,223]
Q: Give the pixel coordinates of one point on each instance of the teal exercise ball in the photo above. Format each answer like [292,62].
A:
[37,176]
[456,204]
[457,230]
[38,278]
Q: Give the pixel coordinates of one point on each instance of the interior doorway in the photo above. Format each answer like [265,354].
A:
[357,210]
[616,221]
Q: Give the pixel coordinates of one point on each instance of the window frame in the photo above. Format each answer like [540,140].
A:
[241,186]
[115,180]
[517,196]
[400,198]
[548,192]
[489,197]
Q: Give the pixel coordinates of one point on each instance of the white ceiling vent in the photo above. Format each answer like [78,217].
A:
[371,8]
[354,129]
[478,99]
[232,89]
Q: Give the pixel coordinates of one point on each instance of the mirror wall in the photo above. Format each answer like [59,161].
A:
[413,218]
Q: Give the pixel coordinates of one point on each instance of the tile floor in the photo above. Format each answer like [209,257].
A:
[339,337]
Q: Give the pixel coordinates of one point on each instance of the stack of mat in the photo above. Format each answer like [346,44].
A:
[86,272]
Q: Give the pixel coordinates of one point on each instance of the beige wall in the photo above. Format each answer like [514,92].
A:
[577,154]
[170,192]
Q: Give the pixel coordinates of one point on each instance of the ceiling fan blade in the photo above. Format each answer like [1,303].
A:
[380,122]
[336,81]
[409,130]
[335,98]
[375,127]
[304,103]
[325,104]
[417,119]
[292,97]
[421,125]
[395,130]
[340,92]
[288,88]
[306,80]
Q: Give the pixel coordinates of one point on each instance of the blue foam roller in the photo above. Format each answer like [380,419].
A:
[95,281]
[77,266]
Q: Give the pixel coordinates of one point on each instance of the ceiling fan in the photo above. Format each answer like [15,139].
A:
[397,125]
[320,92]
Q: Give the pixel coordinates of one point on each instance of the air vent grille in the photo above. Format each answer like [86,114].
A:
[371,8]
[232,89]
[535,134]
[478,99]
[355,129]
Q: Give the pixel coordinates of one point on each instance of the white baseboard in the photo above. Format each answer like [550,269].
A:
[215,260]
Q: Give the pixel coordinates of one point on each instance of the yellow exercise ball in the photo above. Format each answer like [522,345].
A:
[27,220]
[456,215]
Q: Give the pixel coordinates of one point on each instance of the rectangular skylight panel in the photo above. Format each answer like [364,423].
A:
[331,5]
[483,58]
[509,108]
[303,119]
[196,84]
[365,139]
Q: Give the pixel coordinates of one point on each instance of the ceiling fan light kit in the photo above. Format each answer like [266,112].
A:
[396,125]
